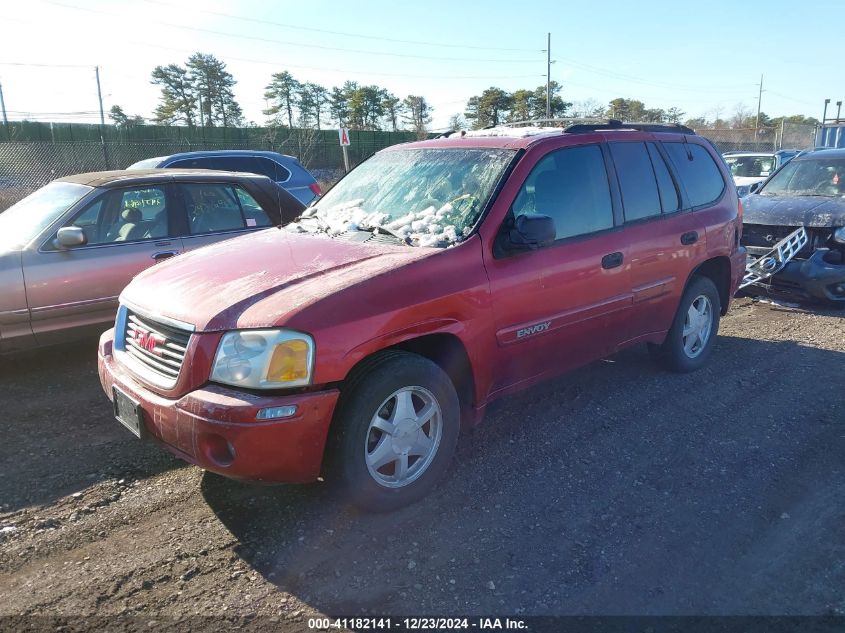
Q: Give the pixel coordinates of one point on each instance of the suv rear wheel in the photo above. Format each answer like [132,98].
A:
[690,340]
[396,429]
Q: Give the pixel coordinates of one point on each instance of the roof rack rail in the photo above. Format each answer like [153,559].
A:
[614,124]
[556,122]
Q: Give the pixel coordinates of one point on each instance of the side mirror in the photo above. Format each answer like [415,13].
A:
[70,236]
[532,231]
[753,188]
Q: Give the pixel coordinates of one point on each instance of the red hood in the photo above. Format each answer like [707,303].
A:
[261,279]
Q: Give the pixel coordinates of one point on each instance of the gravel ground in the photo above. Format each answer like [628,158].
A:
[617,489]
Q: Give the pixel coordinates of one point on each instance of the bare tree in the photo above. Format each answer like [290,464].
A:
[740,117]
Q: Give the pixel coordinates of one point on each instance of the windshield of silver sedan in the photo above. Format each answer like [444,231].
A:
[23,221]
[422,197]
[809,177]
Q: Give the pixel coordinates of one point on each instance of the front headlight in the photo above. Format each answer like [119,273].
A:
[264,359]
[839,235]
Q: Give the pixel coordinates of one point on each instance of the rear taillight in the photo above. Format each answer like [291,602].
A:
[739,210]
[315,188]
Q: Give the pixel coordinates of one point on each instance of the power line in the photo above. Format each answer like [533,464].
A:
[299,27]
[34,65]
[648,82]
[302,44]
[269,63]
[782,96]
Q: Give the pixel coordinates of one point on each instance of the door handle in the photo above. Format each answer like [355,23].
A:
[690,237]
[164,255]
[612,260]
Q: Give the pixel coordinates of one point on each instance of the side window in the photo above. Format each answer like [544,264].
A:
[254,215]
[231,163]
[126,215]
[212,208]
[191,163]
[636,180]
[222,163]
[699,174]
[90,220]
[669,199]
[272,169]
[236,163]
[90,216]
[569,185]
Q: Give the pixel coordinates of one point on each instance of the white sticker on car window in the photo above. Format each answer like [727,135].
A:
[251,222]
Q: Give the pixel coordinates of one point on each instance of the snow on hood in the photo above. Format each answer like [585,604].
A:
[429,227]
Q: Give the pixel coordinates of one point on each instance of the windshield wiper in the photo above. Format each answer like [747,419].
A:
[375,230]
[321,223]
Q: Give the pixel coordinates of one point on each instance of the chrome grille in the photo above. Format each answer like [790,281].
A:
[158,347]
[761,238]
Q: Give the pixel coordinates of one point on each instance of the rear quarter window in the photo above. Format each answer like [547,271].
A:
[697,171]
[272,169]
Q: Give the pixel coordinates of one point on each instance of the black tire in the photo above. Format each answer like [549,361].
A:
[371,390]
[672,354]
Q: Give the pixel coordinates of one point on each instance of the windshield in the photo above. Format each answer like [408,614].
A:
[750,166]
[809,177]
[424,197]
[23,221]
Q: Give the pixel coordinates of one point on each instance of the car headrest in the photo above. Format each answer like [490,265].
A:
[132,215]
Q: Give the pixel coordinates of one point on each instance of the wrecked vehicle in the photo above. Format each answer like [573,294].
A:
[433,279]
[808,192]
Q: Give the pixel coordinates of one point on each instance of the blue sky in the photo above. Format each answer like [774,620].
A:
[702,60]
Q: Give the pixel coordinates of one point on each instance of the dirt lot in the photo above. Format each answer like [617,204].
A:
[618,489]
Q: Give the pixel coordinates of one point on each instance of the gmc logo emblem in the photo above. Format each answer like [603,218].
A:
[148,341]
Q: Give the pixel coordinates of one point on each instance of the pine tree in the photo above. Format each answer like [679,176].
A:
[213,86]
[178,98]
[417,114]
[282,94]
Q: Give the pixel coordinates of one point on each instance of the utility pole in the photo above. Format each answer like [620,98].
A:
[3,108]
[549,76]
[102,117]
[759,102]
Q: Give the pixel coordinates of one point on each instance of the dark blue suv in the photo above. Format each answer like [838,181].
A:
[287,171]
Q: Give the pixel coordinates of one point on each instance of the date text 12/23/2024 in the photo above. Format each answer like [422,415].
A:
[417,624]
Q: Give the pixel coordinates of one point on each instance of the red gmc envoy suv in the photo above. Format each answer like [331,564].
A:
[434,278]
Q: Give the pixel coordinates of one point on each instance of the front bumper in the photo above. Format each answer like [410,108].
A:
[811,278]
[215,427]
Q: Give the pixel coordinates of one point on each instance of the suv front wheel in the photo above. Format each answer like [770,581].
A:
[690,340]
[396,429]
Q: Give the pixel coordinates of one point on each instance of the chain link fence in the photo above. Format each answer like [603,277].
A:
[764,139]
[27,166]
